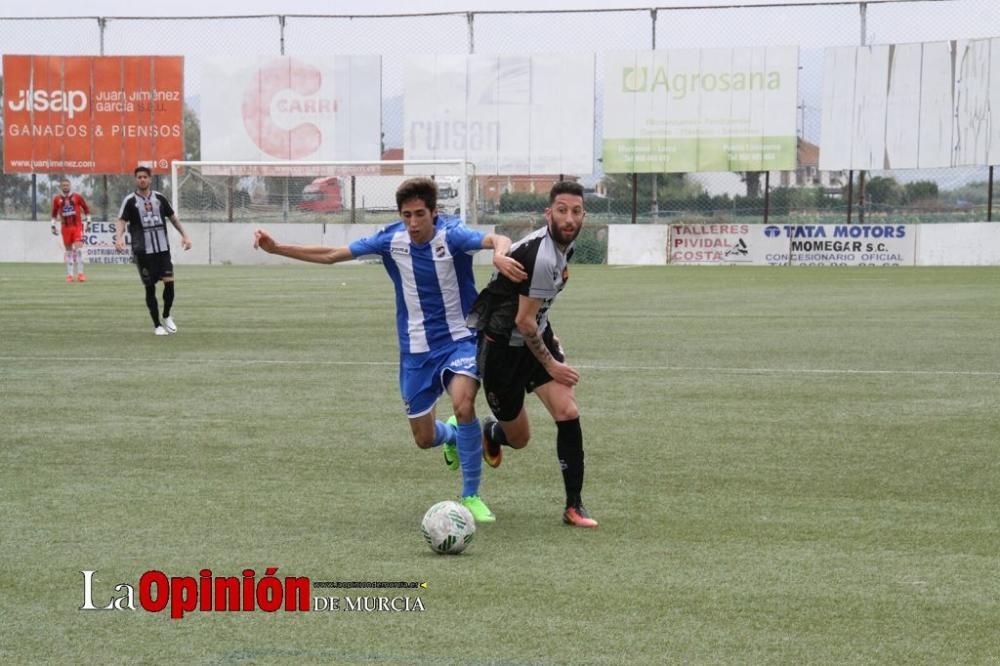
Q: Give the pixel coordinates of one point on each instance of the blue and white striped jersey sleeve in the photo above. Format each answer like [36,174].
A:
[462,239]
[374,244]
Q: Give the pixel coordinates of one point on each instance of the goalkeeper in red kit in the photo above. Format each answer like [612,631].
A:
[68,211]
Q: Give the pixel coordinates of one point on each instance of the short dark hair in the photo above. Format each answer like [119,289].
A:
[422,188]
[565,187]
[142,168]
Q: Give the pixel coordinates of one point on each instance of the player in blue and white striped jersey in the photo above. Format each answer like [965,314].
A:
[429,259]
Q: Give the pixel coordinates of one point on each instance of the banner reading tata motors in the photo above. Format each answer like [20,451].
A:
[792,244]
[700,110]
[507,114]
[89,114]
[282,108]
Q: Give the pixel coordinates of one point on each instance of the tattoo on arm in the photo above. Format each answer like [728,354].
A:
[538,348]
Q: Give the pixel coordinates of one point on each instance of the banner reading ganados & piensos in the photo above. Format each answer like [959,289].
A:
[92,114]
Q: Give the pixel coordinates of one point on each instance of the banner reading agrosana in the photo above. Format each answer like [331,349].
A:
[92,114]
[700,110]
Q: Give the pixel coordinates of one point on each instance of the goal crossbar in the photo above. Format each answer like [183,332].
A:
[463,168]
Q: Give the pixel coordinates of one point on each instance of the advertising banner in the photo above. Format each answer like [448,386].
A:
[90,114]
[280,108]
[510,115]
[722,244]
[792,245]
[690,110]
[910,106]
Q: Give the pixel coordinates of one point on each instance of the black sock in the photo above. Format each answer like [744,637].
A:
[154,308]
[168,297]
[569,448]
[495,434]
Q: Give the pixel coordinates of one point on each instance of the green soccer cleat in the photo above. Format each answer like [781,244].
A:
[478,509]
[450,450]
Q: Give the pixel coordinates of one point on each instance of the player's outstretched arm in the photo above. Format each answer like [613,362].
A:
[317,254]
[507,265]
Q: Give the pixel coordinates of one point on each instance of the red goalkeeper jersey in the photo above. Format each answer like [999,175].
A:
[70,208]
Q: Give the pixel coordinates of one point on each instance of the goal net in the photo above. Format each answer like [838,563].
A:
[354,192]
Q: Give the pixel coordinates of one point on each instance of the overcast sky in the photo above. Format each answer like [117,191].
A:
[244,7]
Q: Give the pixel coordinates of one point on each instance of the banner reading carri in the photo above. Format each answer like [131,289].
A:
[92,114]
[306,108]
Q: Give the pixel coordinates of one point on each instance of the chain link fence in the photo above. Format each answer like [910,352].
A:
[806,195]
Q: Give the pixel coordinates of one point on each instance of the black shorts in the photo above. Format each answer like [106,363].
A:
[508,373]
[153,267]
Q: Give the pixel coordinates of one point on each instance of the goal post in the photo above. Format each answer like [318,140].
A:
[320,191]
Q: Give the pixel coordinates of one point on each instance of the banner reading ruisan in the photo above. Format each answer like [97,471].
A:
[92,114]
[700,110]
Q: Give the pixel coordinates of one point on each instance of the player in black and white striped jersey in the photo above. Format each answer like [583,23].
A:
[518,353]
[145,212]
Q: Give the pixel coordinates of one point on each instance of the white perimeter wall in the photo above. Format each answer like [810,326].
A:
[223,243]
[966,244]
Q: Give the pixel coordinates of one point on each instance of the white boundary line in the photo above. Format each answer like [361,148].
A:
[115,360]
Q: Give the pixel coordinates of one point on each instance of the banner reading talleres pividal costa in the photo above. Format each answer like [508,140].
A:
[795,245]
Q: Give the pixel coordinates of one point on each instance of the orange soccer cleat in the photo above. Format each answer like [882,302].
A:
[577,516]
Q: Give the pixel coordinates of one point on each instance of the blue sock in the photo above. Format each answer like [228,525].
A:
[470,456]
[444,433]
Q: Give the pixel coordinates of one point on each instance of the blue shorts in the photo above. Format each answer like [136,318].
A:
[424,377]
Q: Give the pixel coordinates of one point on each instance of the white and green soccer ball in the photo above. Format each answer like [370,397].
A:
[448,527]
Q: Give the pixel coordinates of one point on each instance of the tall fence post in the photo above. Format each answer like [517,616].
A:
[635,195]
[470,19]
[850,194]
[861,198]
[989,198]
[767,195]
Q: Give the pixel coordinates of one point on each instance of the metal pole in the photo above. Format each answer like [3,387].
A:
[470,19]
[34,197]
[635,195]
[861,198]
[281,31]
[864,23]
[861,176]
[767,195]
[656,201]
[354,202]
[102,25]
[989,199]
[850,193]
[174,186]
[284,202]
[106,198]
